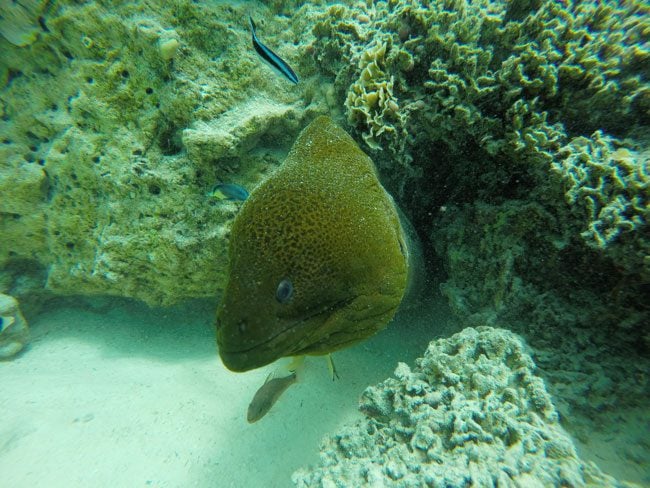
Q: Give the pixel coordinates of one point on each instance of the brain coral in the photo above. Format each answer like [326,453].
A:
[471,413]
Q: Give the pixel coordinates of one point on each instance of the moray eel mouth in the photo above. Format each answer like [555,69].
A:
[294,338]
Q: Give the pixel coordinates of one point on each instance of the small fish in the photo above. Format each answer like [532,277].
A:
[331,368]
[228,191]
[273,60]
[5,323]
[267,395]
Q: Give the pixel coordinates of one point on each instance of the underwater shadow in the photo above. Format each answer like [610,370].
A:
[121,327]
[288,437]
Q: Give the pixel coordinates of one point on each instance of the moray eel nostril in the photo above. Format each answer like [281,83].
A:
[318,257]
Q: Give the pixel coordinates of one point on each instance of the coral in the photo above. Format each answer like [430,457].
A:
[109,117]
[471,412]
[499,244]
[496,105]
[14,332]
[486,93]
[610,184]
[371,102]
[324,229]
[512,264]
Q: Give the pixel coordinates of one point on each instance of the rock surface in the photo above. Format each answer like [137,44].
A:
[14,332]
[116,123]
[472,412]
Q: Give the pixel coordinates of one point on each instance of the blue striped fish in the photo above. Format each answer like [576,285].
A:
[273,60]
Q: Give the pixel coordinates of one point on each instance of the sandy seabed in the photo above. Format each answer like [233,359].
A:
[111,393]
[117,394]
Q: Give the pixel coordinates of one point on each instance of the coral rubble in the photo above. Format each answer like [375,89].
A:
[472,412]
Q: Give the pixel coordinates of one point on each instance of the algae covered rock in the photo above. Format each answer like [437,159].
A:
[472,412]
[14,332]
[116,123]
[19,21]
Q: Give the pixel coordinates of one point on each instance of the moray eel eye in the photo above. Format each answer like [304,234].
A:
[284,292]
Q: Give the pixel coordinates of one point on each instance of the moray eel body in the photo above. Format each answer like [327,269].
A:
[318,256]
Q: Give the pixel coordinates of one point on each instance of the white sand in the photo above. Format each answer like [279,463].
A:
[126,396]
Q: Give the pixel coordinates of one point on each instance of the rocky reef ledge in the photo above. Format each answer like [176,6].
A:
[472,412]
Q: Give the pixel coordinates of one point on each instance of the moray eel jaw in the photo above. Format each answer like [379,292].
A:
[318,257]
[316,333]
[269,349]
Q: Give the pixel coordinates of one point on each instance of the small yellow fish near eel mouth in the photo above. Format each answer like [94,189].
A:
[268,395]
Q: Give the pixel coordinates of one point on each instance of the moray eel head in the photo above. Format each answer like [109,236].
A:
[318,258]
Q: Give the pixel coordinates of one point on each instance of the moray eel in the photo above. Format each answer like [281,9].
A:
[318,257]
